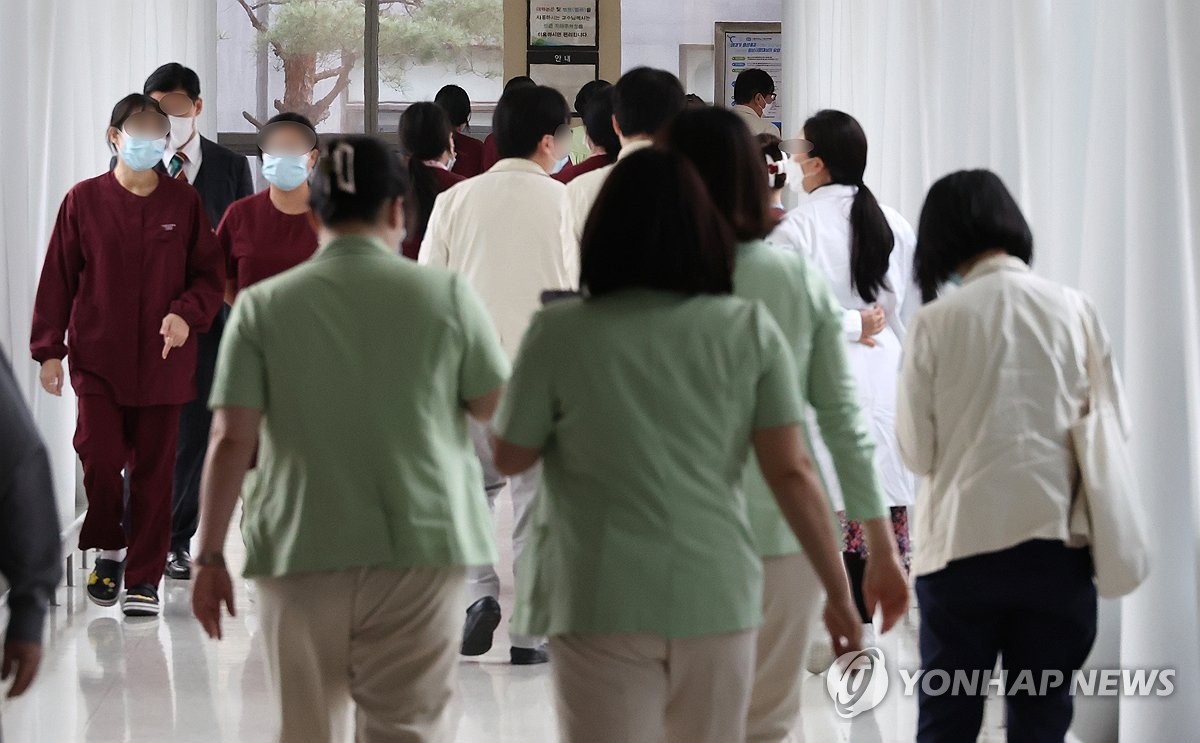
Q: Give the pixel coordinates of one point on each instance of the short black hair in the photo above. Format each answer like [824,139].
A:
[171,77]
[750,83]
[691,100]
[597,122]
[520,81]
[645,99]
[654,227]
[524,115]
[456,102]
[134,103]
[589,89]
[356,177]
[295,118]
[967,213]
[730,162]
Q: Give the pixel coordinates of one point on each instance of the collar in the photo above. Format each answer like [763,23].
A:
[435,164]
[745,110]
[517,165]
[995,264]
[832,191]
[353,245]
[634,146]
[191,150]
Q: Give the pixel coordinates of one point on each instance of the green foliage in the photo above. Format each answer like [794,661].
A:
[465,34]
[326,28]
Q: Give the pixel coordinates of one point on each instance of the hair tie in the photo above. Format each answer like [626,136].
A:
[343,167]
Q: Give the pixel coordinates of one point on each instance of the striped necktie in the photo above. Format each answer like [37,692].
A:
[175,167]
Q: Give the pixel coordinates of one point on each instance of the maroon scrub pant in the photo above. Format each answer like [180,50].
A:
[111,438]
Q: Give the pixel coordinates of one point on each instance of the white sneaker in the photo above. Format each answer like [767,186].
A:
[820,655]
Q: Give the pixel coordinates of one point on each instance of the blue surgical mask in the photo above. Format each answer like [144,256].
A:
[142,154]
[286,172]
[560,164]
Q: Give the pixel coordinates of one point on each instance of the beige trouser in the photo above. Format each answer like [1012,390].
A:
[385,639]
[649,689]
[792,597]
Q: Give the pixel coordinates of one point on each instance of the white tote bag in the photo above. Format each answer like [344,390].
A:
[1107,512]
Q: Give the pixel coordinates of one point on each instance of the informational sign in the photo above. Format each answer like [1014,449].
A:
[569,24]
[744,46]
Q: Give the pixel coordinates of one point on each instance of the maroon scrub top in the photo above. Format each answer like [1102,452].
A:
[468,155]
[572,171]
[259,241]
[442,179]
[117,264]
[491,155]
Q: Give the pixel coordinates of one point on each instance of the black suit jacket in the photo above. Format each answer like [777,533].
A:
[224,178]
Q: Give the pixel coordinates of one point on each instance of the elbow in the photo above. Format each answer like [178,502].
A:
[510,459]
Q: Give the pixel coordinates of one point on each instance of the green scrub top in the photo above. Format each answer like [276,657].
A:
[361,362]
[801,301]
[643,404]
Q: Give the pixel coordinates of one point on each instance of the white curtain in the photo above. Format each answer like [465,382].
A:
[1090,111]
[66,65]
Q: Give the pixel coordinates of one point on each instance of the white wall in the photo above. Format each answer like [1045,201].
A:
[652,30]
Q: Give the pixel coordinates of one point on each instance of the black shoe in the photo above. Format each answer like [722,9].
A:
[528,656]
[104,582]
[483,617]
[179,565]
[141,601]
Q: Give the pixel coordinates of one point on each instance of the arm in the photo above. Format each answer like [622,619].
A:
[232,443]
[512,459]
[57,287]
[225,232]
[916,429]
[525,419]
[482,408]
[205,291]
[435,247]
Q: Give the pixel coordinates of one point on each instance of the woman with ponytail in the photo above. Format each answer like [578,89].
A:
[866,251]
[427,140]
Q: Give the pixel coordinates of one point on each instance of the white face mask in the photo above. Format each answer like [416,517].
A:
[183,128]
[795,175]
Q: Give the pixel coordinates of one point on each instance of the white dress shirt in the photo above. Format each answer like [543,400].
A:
[193,153]
[819,229]
[757,124]
[994,375]
[581,195]
[501,229]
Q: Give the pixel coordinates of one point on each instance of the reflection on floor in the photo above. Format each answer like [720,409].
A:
[107,679]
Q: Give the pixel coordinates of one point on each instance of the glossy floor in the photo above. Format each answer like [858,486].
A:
[107,679]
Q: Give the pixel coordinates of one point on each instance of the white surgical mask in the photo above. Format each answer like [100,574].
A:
[795,175]
[183,128]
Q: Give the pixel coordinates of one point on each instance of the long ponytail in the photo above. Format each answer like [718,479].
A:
[424,135]
[840,142]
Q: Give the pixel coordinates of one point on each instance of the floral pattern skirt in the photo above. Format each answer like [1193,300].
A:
[853,540]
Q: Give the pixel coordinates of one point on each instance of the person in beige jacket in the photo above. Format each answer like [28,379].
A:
[501,230]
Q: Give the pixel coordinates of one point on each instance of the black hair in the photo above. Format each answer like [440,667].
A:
[719,145]
[171,77]
[295,118]
[134,103]
[520,81]
[589,89]
[357,176]
[967,213]
[839,140]
[597,122]
[524,115]
[653,226]
[425,132]
[769,144]
[691,100]
[456,102]
[750,83]
[645,99]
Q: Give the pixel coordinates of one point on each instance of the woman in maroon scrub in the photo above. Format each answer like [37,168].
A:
[426,137]
[273,230]
[601,137]
[131,273]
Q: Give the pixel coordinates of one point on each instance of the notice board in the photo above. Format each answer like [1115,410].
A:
[742,46]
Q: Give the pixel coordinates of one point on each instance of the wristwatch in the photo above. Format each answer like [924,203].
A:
[209,559]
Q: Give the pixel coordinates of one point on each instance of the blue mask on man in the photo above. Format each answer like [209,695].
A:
[286,172]
[142,154]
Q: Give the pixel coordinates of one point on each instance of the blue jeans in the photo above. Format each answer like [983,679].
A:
[1034,605]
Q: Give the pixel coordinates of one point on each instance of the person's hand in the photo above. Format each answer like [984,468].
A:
[51,376]
[885,586]
[844,625]
[174,331]
[211,587]
[21,661]
[874,320]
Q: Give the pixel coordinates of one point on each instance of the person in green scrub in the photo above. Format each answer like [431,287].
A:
[353,374]
[643,398]
[800,300]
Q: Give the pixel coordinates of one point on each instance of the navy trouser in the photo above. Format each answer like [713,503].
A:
[192,445]
[1034,605]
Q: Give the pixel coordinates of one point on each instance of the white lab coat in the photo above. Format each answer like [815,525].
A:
[819,229]
[501,229]
[581,195]
[756,123]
